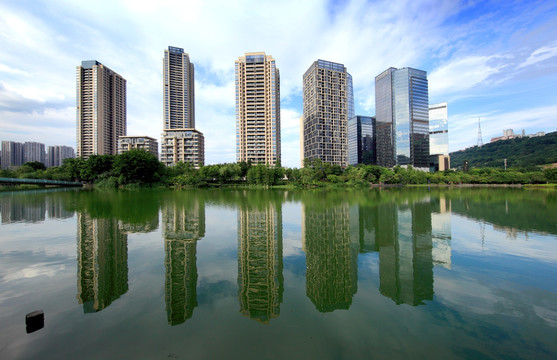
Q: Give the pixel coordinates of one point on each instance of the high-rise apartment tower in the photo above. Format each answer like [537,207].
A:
[257,109]
[402,117]
[177,143]
[328,104]
[101,109]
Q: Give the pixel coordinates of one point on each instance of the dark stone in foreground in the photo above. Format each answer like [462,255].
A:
[34,321]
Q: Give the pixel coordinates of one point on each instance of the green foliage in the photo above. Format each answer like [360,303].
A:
[520,152]
[137,166]
[35,165]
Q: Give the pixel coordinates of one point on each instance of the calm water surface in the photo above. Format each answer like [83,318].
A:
[209,274]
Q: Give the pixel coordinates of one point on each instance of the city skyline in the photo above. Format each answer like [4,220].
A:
[486,60]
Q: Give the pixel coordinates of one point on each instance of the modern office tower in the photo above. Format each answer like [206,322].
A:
[361,140]
[439,137]
[126,143]
[401,110]
[183,225]
[439,129]
[257,109]
[179,140]
[57,153]
[102,262]
[331,256]
[12,154]
[101,109]
[260,279]
[328,104]
[185,145]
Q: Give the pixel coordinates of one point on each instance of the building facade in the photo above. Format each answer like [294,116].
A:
[180,141]
[438,129]
[56,154]
[101,109]
[34,151]
[12,154]
[179,89]
[361,140]
[126,143]
[183,145]
[328,104]
[257,109]
[402,115]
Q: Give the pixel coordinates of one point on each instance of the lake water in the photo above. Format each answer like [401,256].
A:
[212,274]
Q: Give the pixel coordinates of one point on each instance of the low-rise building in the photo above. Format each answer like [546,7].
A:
[126,143]
[185,145]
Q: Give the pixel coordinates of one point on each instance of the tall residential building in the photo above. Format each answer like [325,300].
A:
[12,154]
[257,109]
[179,92]
[126,143]
[328,104]
[401,105]
[57,153]
[101,109]
[34,151]
[361,140]
[180,142]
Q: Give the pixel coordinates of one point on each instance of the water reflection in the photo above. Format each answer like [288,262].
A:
[33,206]
[102,261]
[260,278]
[331,256]
[183,224]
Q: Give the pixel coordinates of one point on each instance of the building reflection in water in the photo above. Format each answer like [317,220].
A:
[102,262]
[441,232]
[260,279]
[27,209]
[183,224]
[411,238]
[331,256]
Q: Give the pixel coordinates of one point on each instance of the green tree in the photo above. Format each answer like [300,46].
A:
[137,166]
[35,165]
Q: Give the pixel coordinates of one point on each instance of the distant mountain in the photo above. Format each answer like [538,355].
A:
[519,152]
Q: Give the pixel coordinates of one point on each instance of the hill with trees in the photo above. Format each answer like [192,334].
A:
[520,152]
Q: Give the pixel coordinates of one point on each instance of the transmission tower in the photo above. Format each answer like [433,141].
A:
[480,141]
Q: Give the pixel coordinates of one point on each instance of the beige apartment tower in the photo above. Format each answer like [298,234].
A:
[257,109]
[328,104]
[101,109]
[180,141]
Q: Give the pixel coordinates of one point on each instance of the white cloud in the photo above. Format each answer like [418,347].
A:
[539,55]
[462,74]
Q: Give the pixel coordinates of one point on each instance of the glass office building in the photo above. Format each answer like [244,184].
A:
[401,100]
[361,140]
[438,129]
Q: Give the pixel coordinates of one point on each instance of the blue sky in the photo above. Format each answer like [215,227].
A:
[494,60]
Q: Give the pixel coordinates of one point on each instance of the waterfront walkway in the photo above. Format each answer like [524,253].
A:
[40,182]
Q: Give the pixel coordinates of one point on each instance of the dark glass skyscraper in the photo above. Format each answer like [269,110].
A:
[401,100]
[361,140]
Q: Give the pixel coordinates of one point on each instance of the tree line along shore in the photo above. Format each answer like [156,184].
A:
[138,168]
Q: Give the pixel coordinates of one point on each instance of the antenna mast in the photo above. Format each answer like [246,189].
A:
[480,141]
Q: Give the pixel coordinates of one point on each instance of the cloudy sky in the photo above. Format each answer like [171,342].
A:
[494,60]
